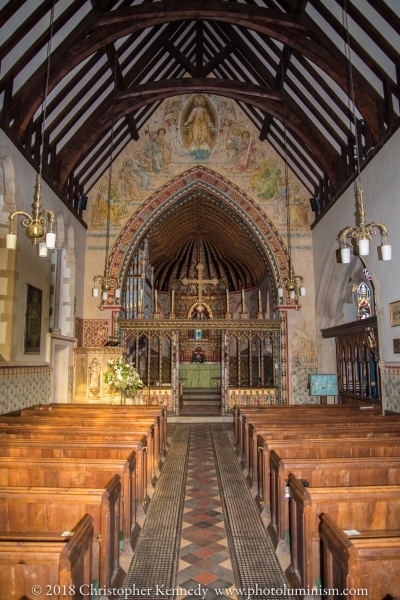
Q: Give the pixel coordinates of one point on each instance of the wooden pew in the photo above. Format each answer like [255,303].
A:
[133,414]
[131,441]
[47,561]
[55,510]
[309,448]
[361,508]
[286,410]
[325,472]
[368,561]
[319,426]
[79,472]
[68,428]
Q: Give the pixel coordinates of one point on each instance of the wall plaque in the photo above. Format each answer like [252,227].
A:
[323,385]
[33,320]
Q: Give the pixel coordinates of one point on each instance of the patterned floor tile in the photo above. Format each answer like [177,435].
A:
[204,555]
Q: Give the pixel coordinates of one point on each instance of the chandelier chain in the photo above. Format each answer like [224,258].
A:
[110,172]
[352,109]
[288,225]
[46,89]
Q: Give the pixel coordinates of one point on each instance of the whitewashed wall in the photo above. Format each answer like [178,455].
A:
[381,184]
[29,267]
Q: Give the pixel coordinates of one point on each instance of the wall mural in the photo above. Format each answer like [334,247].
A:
[197,129]
[209,130]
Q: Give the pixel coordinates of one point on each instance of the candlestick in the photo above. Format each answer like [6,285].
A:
[142,300]
[155,300]
[259,300]
[172,300]
[227,300]
[242,300]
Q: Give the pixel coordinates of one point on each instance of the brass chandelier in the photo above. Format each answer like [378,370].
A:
[37,222]
[363,233]
[106,281]
[294,283]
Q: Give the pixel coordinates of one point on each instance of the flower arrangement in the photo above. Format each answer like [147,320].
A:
[122,376]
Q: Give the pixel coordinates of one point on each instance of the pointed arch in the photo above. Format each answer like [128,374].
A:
[227,193]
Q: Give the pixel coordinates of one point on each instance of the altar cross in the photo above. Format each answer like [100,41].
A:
[200,282]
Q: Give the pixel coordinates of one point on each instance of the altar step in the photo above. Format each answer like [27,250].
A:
[201,397]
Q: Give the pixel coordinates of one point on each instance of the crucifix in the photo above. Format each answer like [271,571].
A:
[200,282]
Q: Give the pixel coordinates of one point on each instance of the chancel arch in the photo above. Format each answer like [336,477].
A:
[200,269]
[200,179]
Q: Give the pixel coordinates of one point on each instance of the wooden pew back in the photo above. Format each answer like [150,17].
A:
[47,561]
[369,561]
[360,508]
[56,510]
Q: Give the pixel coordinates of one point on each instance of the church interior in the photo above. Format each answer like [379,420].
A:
[198,299]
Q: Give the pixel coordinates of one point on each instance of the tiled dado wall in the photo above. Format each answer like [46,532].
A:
[390,378]
[92,333]
[24,386]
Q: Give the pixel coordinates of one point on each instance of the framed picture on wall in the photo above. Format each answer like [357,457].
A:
[33,320]
[394,313]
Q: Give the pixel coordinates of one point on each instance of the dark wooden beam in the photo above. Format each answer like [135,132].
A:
[119,23]
[10,9]
[132,127]
[98,6]
[368,27]
[386,13]
[204,84]
[356,47]
[199,49]
[26,26]
[251,60]
[219,57]
[115,67]
[42,40]
[180,57]
[6,111]
[298,9]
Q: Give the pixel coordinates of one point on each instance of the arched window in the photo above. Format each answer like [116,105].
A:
[363,301]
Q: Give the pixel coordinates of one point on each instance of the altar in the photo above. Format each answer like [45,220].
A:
[200,375]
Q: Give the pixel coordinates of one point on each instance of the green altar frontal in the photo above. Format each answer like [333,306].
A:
[197,375]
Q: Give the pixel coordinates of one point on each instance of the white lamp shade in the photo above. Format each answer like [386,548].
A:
[105,295]
[386,250]
[293,294]
[302,290]
[95,292]
[280,292]
[345,255]
[117,293]
[363,247]
[11,241]
[51,240]
[42,249]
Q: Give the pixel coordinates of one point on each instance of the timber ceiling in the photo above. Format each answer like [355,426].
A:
[200,230]
[240,49]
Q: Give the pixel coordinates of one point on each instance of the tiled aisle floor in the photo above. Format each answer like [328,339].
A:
[204,554]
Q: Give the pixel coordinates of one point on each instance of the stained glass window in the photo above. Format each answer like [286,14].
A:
[363,301]
[198,334]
